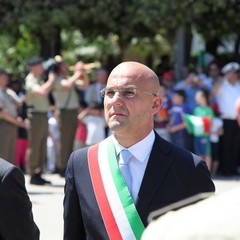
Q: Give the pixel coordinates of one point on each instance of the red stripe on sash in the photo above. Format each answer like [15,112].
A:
[105,209]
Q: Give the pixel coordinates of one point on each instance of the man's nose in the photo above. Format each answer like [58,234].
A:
[117,99]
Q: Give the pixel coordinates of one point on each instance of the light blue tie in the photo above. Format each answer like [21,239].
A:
[126,155]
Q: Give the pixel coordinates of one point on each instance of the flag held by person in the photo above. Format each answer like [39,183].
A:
[198,126]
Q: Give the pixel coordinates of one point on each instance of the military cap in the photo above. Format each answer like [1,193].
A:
[230,67]
[34,61]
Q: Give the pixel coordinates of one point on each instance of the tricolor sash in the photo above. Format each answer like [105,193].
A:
[118,211]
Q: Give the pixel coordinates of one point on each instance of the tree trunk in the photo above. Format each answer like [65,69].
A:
[50,47]
[212,45]
[236,46]
[183,45]
[188,45]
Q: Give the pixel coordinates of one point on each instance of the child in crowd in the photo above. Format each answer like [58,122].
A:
[81,132]
[202,145]
[93,117]
[161,119]
[177,124]
[216,132]
[53,140]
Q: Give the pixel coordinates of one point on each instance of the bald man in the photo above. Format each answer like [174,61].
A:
[112,187]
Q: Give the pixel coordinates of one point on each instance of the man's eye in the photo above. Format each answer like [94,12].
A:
[110,93]
[128,93]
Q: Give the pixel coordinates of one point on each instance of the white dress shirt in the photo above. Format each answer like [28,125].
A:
[141,152]
[226,99]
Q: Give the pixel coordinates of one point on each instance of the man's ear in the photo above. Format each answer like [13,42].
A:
[157,103]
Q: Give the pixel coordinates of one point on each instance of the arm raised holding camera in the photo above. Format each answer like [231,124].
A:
[79,78]
[43,90]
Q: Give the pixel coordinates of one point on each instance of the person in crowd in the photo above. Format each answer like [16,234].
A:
[168,81]
[22,137]
[184,72]
[9,121]
[67,103]
[20,159]
[163,66]
[161,119]
[213,76]
[94,120]
[16,218]
[37,91]
[112,187]
[201,71]
[226,93]
[215,133]
[53,140]
[202,146]
[92,94]
[191,85]
[177,124]
[81,132]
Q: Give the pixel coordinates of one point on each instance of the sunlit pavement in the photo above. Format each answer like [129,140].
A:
[47,203]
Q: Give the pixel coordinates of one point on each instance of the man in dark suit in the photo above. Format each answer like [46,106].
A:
[101,200]
[16,218]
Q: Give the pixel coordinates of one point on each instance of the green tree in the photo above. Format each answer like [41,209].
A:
[216,21]
[40,26]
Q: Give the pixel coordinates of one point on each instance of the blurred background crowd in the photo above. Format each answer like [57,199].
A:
[58,108]
[51,105]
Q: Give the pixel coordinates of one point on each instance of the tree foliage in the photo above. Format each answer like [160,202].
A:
[216,21]
[37,26]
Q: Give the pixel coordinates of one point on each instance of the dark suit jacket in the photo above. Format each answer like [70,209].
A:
[172,174]
[16,219]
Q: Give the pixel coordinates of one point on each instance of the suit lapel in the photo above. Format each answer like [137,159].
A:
[155,173]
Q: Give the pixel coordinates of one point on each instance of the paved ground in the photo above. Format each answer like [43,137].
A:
[48,203]
[48,207]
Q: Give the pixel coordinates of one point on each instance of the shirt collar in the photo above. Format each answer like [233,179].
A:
[227,83]
[141,149]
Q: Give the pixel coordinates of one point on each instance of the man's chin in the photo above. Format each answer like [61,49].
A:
[116,126]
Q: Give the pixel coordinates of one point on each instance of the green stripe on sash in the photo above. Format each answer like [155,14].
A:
[124,195]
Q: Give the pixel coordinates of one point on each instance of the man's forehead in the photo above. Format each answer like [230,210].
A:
[125,73]
[123,79]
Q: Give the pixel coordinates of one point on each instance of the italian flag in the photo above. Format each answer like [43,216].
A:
[198,126]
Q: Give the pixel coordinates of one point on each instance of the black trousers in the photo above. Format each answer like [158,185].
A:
[230,147]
